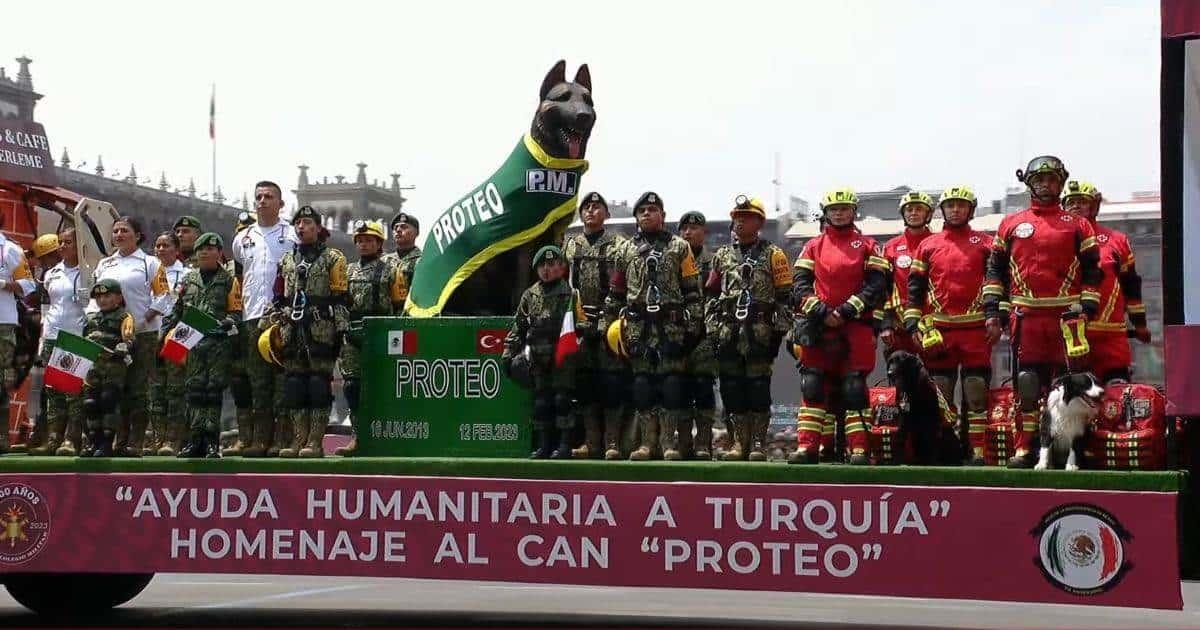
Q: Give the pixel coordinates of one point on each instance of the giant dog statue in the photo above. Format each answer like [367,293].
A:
[476,258]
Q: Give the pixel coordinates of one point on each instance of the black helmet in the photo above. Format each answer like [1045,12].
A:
[1043,164]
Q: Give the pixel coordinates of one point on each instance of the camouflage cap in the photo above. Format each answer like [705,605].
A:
[546,254]
[649,198]
[210,238]
[406,219]
[187,220]
[307,212]
[105,286]
[593,197]
[692,217]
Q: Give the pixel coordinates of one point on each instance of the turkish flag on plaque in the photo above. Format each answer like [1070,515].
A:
[490,340]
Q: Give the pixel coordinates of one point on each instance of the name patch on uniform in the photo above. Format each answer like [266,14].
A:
[1024,230]
[551,181]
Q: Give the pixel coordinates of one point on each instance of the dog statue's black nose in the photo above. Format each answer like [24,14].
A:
[584,119]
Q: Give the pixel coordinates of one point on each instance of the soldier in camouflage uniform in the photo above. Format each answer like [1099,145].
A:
[405,230]
[656,288]
[702,361]
[600,376]
[168,421]
[748,322]
[376,288]
[187,230]
[311,312]
[534,333]
[112,328]
[208,288]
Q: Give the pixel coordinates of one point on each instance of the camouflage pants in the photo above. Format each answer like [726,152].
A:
[746,396]
[699,412]
[307,399]
[8,347]
[63,411]
[553,392]
[601,388]
[205,379]
[657,386]
[266,385]
[141,375]
[167,407]
[104,384]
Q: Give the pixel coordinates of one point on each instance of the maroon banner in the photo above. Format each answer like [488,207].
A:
[25,153]
[1056,546]
[1180,18]
[1181,348]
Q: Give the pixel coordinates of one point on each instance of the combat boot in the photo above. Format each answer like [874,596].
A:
[195,447]
[859,459]
[88,448]
[264,429]
[348,450]
[545,444]
[170,439]
[759,423]
[245,436]
[976,457]
[104,443]
[593,442]
[564,444]
[802,456]
[1021,461]
[299,423]
[735,450]
[67,449]
[282,435]
[53,440]
[72,438]
[612,434]
[314,447]
[702,443]
[668,422]
[212,443]
[648,425]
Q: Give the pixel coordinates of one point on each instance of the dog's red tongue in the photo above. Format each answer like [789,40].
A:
[573,145]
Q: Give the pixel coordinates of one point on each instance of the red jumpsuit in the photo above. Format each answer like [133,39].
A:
[900,253]
[947,279]
[841,270]
[1120,294]
[1043,260]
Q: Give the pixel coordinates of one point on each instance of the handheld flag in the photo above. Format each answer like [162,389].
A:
[73,356]
[568,340]
[190,330]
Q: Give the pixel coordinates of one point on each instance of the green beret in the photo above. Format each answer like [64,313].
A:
[210,238]
[406,219]
[307,212]
[188,220]
[549,252]
[692,217]
[107,285]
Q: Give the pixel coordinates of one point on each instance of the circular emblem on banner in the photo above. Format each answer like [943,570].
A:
[1103,238]
[1081,549]
[24,523]
[904,261]
[975,240]
[1024,230]
[856,244]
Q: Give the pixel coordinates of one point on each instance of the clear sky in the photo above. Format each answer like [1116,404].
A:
[693,99]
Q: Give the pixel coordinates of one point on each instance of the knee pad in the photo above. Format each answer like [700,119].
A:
[239,386]
[733,394]
[675,391]
[1029,390]
[975,389]
[759,390]
[854,391]
[543,407]
[320,394]
[351,392]
[643,391]
[295,391]
[702,392]
[812,385]
[614,390]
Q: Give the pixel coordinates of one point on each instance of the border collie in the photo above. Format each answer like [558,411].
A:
[1073,402]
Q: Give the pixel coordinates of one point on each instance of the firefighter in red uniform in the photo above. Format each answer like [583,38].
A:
[916,210]
[1120,291]
[945,291]
[1044,261]
[840,280]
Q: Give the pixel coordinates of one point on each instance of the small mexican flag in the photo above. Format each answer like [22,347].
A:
[568,341]
[73,356]
[186,334]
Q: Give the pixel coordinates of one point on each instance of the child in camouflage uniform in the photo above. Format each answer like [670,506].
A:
[208,288]
[112,328]
[535,331]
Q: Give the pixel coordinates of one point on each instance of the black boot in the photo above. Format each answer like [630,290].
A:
[88,449]
[104,443]
[545,444]
[564,445]
[195,446]
[213,443]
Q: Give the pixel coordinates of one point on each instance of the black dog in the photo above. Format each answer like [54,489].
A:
[921,411]
[562,126]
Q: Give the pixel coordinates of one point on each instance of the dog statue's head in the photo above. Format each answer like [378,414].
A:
[1080,392]
[564,119]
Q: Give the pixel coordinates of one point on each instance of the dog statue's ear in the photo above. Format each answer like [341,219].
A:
[583,77]
[557,74]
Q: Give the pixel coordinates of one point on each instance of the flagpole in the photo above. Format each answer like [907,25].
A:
[212,133]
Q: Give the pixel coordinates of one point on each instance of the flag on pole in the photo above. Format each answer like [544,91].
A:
[73,356]
[568,340]
[212,114]
[192,328]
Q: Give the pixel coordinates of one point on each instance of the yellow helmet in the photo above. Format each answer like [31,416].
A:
[915,196]
[244,220]
[370,228]
[839,196]
[268,343]
[748,205]
[45,244]
[1073,188]
[613,336]
[958,192]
